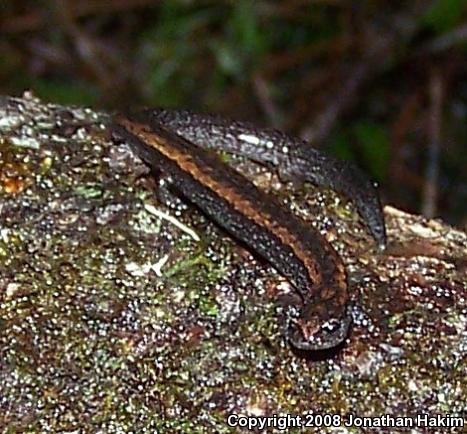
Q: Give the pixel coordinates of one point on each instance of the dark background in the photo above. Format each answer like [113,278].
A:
[381,83]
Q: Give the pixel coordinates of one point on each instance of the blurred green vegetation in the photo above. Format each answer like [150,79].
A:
[444,15]
[353,77]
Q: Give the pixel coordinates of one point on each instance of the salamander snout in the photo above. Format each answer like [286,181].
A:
[310,333]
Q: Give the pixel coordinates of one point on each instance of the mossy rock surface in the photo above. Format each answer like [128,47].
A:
[113,319]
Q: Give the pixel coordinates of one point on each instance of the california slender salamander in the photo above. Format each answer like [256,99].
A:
[298,252]
[292,157]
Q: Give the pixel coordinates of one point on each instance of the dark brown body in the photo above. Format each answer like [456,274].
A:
[292,157]
[297,251]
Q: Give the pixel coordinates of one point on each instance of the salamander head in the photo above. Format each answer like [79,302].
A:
[308,332]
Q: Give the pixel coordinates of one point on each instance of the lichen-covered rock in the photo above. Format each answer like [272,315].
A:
[120,313]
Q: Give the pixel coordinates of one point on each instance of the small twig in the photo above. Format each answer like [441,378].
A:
[401,127]
[446,41]
[177,223]
[324,123]
[430,192]
[86,48]
[37,19]
[263,93]
[365,70]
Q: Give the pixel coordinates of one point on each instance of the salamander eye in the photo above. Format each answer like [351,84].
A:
[331,326]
